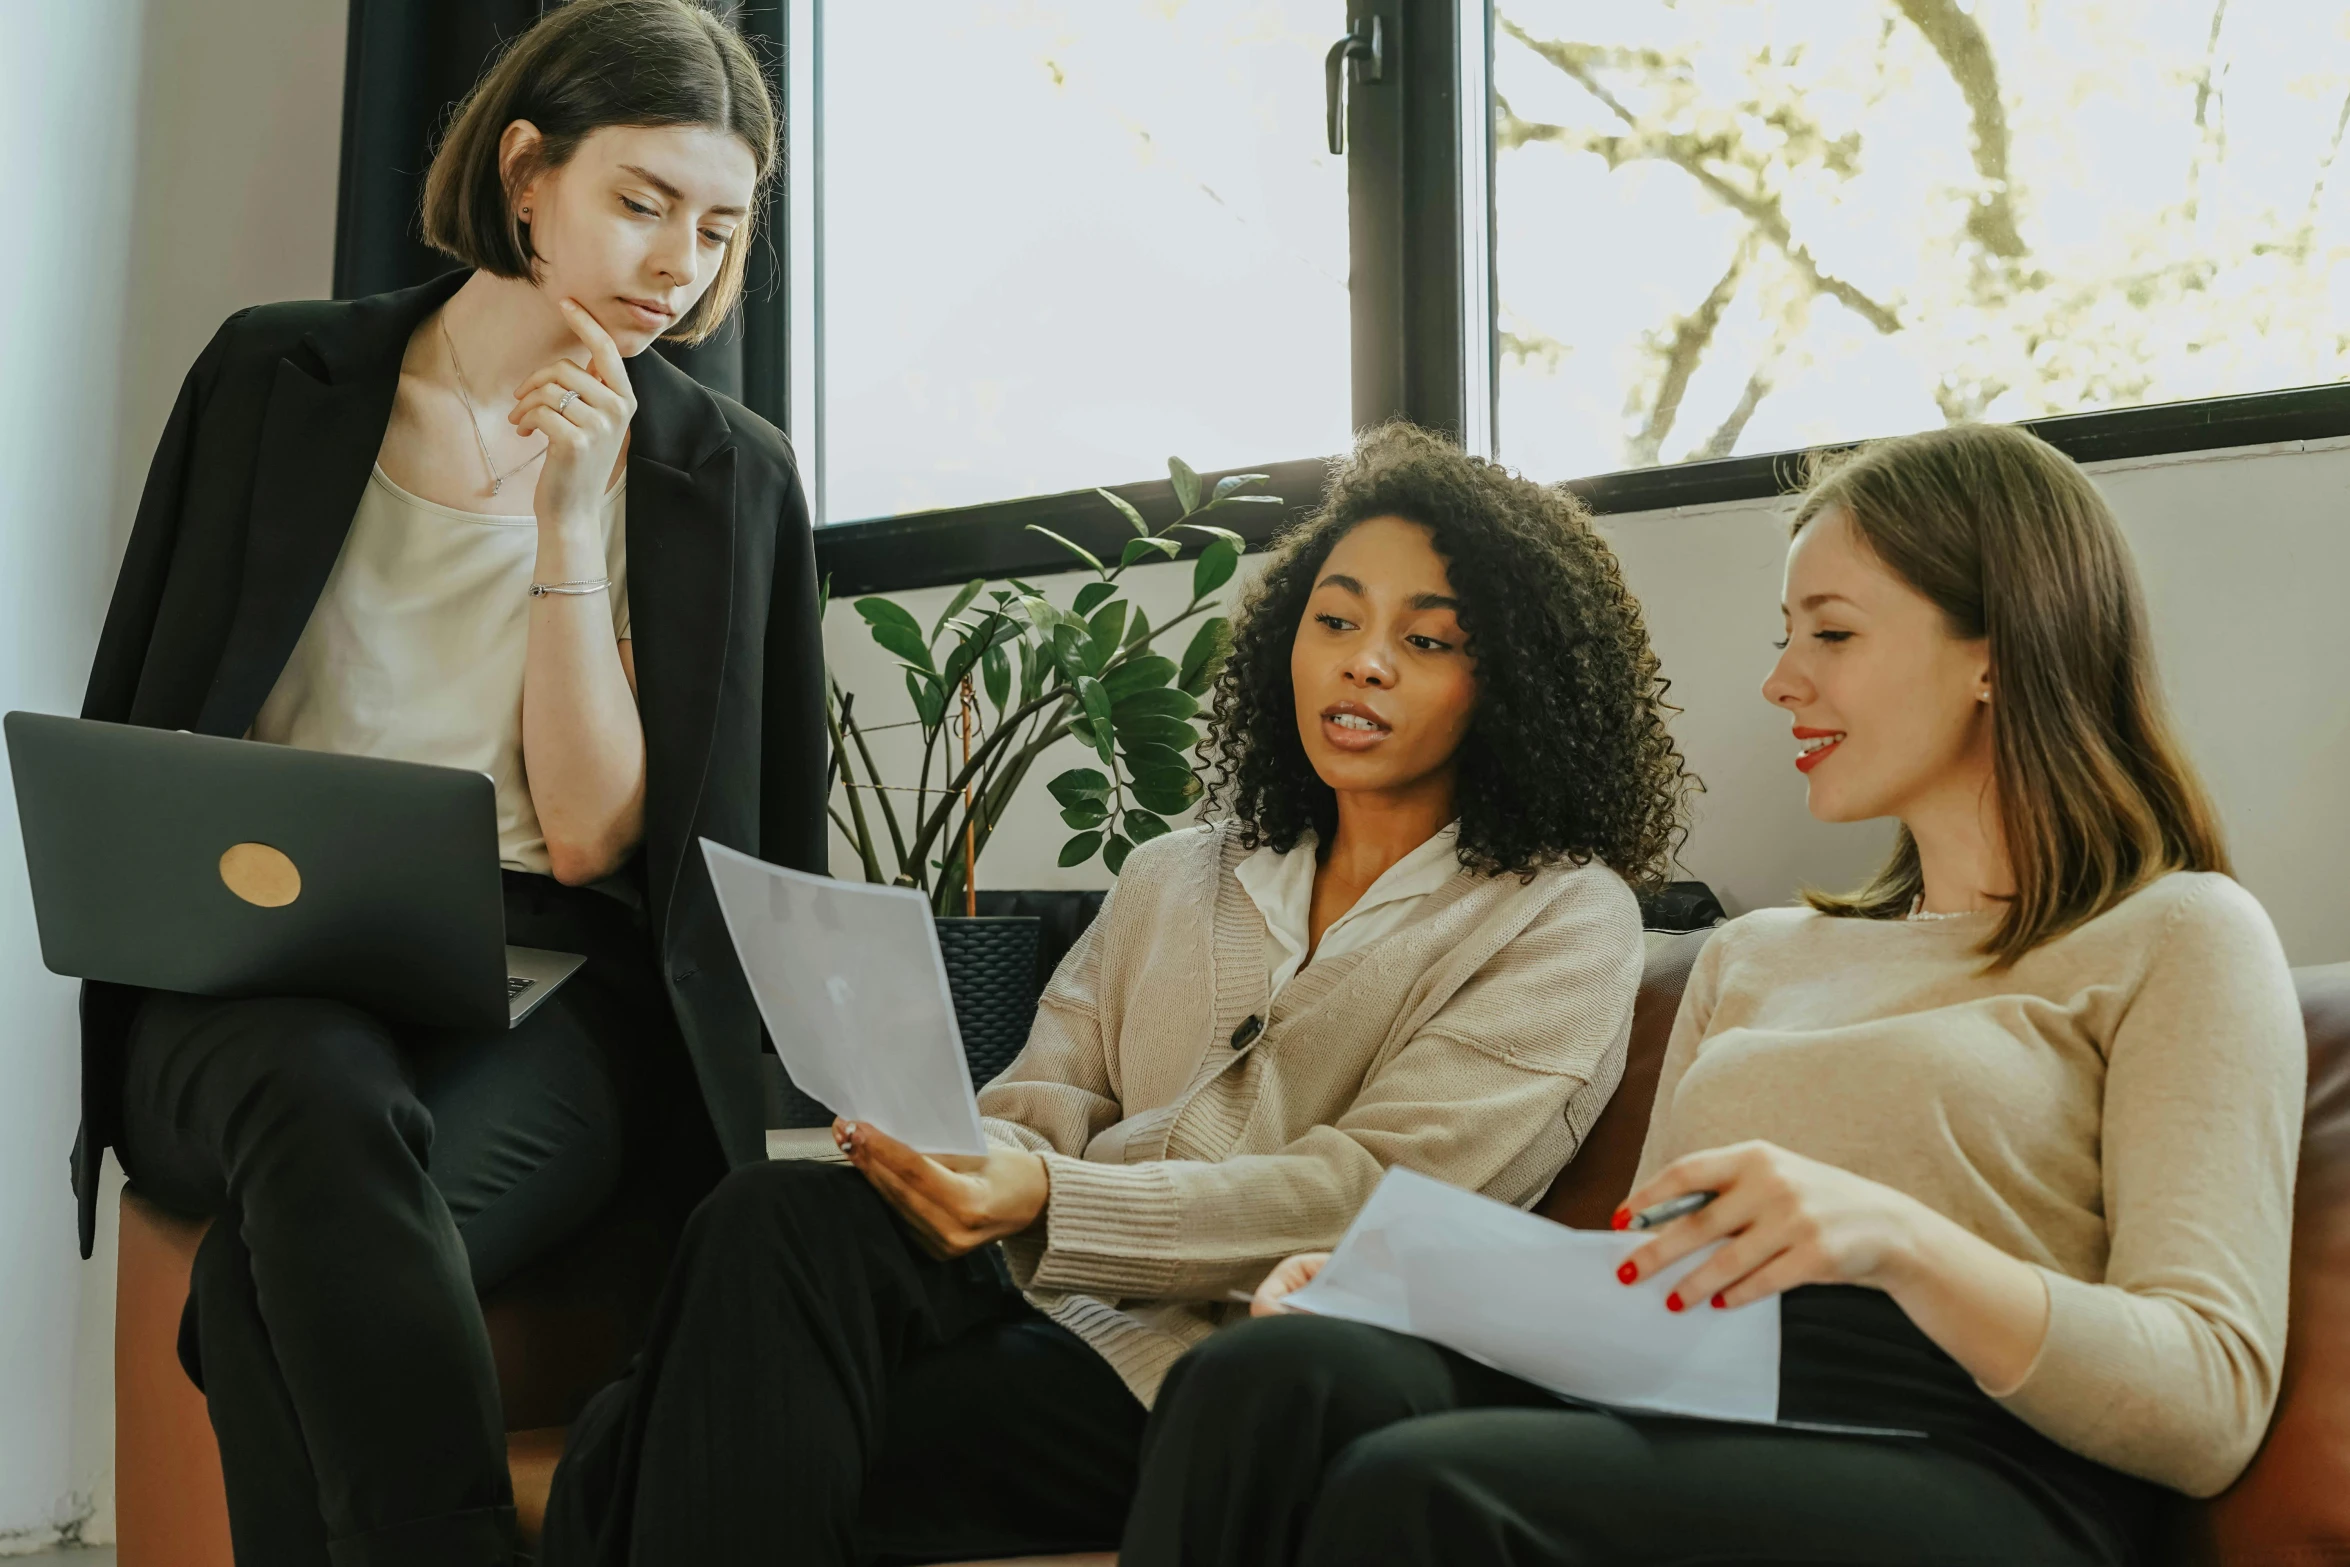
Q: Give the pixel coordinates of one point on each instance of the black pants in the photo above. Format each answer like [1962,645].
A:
[818,1390]
[1311,1441]
[367,1181]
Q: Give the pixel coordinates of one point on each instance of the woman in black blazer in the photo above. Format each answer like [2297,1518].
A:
[319,533]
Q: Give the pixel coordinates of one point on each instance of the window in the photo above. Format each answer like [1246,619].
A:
[1040,246]
[1740,226]
[1647,246]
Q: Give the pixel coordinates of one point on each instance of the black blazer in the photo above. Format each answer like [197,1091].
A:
[261,467]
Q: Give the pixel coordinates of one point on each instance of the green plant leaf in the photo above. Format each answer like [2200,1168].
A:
[1205,656]
[1136,549]
[1151,729]
[1097,709]
[929,697]
[1142,826]
[1080,848]
[1166,793]
[1150,758]
[1145,757]
[995,669]
[1214,532]
[960,663]
[1078,550]
[896,630]
[1107,628]
[1168,796]
[823,595]
[1138,630]
[1069,648]
[1158,701]
[1082,728]
[1235,481]
[1126,509]
[1032,663]
[1114,853]
[1186,482]
[1079,783]
[1091,595]
[959,603]
[1087,813]
[1214,567]
[1242,500]
[1138,674]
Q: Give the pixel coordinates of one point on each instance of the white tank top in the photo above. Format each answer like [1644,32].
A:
[416,647]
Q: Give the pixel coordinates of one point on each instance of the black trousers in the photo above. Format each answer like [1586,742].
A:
[367,1181]
[819,1390]
[1312,1441]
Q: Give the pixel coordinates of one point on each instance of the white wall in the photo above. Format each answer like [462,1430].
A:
[2246,558]
[177,162]
[66,121]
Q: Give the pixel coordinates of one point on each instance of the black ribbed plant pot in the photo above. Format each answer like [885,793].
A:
[991,971]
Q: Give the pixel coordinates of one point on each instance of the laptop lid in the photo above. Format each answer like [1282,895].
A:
[221,867]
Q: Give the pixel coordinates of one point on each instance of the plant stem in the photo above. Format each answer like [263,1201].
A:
[889,815]
[936,822]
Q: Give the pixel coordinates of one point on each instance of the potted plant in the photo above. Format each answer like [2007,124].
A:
[1003,675]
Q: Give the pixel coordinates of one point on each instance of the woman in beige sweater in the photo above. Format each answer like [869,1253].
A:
[1409,938]
[2013,1128]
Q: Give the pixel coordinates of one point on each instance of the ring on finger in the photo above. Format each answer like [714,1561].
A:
[570,394]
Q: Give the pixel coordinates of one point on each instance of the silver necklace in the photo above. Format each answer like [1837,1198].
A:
[473,421]
[1917,911]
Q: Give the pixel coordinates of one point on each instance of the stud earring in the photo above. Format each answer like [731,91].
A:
[1982,696]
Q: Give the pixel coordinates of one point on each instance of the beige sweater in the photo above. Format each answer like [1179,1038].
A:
[2121,1109]
[1476,1044]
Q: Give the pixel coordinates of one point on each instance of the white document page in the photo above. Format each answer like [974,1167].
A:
[1542,1302]
[850,982]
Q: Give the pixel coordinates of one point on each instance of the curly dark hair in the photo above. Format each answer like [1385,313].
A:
[1567,756]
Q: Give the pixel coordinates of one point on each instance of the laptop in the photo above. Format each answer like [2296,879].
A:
[175,861]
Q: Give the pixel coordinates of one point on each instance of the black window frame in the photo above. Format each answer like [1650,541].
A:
[1409,253]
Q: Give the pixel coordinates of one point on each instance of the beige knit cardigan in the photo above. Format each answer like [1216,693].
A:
[1476,1044]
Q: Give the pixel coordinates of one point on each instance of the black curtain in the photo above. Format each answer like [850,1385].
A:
[406,65]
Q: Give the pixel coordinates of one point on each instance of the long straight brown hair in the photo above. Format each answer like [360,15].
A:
[2009,539]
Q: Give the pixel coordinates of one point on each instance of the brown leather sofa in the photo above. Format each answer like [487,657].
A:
[560,1331]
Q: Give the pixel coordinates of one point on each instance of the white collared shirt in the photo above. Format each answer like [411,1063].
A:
[1282,888]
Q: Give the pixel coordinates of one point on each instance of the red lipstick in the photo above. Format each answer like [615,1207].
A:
[1811,755]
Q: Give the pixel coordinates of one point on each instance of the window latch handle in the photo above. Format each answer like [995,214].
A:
[1362,56]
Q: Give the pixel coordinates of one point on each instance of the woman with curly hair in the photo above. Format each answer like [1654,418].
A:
[2006,1138]
[1408,936]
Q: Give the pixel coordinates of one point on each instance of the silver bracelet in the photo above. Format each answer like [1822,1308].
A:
[539,590]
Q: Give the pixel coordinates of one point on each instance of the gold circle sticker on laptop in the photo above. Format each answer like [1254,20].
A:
[260,875]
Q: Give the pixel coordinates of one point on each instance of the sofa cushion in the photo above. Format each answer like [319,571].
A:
[2291,1508]
[1587,1191]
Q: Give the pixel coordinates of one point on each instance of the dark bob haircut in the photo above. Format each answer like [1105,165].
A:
[1567,756]
[585,66]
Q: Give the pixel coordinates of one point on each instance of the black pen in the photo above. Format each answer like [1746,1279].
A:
[1672,1208]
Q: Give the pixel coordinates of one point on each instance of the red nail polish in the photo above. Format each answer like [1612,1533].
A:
[1673,1301]
[1721,1304]
[1621,1219]
[1627,1273]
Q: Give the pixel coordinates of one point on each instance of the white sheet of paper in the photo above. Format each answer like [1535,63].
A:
[1542,1302]
[849,979]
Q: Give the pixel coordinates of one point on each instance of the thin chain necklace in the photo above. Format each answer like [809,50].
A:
[1918,911]
[473,421]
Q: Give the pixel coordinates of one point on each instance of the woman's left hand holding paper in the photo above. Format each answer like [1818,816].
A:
[955,1203]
